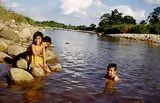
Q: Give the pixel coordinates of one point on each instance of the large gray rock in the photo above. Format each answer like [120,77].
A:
[3,46]
[19,75]
[56,68]
[25,33]
[37,72]
[8,33]
[2,56]
[51,57]
[14,50]
[22,63]
[50,54]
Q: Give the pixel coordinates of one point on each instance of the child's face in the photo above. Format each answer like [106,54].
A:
[38,40]
[47,44]
[111,72]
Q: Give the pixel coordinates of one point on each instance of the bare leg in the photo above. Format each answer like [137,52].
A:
[45,68]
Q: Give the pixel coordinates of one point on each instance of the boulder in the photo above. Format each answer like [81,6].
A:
[2,56]
[1,26]
[8,42]
[37,72]
[22,63]
[19,75]
[3,46]
[56,68]
[24,33]
[8,33]
[14,50]
[51,57]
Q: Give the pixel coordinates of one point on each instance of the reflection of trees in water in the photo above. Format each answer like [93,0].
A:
[33,92]
[109,87]
[110,39]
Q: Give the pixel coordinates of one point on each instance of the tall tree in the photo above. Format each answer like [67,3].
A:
[143,22]
[154,16]
[92,26]
[128,20]
[116,17]
[105,20]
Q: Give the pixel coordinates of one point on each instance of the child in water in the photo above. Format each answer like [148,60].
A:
[111,72]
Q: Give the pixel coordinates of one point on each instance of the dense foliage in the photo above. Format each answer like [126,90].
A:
[116,23]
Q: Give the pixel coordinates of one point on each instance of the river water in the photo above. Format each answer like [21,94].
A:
[84,58]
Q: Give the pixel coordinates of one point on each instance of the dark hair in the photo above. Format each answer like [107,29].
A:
[38,33]
[112,65]
[47,39]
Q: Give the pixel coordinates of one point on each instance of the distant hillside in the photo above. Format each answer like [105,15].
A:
[8,15]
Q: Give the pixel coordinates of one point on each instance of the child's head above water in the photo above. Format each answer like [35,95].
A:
[111,72]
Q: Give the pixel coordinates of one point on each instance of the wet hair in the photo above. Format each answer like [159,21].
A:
[47,39]
[112,65]
[36,34]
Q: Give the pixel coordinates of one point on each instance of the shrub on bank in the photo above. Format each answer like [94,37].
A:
[118,29]
[157,28]
[141,29]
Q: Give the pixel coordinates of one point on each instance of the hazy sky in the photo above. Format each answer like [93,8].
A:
[80,12]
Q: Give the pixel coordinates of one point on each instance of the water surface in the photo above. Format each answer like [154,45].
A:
[84,58]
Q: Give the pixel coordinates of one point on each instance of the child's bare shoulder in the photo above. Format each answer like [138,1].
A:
[116,78]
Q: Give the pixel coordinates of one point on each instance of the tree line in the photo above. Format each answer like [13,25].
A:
[115,22]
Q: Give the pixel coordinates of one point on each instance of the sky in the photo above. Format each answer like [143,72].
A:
[80,12]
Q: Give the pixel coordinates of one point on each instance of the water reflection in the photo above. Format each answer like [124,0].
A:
[34,92]
[109,87]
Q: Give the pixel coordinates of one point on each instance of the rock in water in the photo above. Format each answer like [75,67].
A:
[37,72]
[19,75]
[56,68]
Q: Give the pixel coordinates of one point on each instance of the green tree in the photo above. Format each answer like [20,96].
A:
[143,22]
[82,27]
[116,17]
[128,20]
[104,20]
[92,27]
[154,16]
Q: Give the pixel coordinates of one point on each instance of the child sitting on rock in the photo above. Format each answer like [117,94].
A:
[38,48]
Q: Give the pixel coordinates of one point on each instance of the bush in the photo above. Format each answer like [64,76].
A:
[141,29]
[157,29]
[118,29]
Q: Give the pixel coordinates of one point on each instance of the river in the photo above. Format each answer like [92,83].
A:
[84,58]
